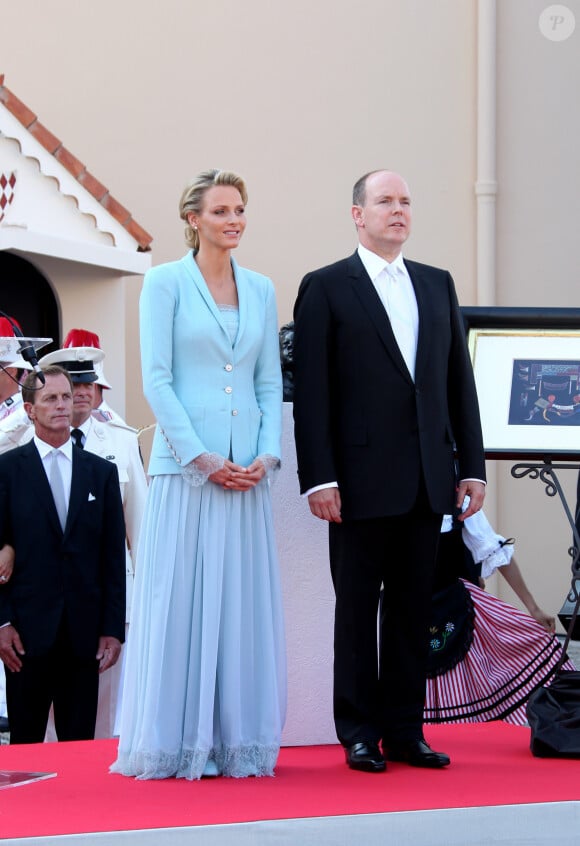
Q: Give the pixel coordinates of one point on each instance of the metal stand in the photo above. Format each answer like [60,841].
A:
[545,471]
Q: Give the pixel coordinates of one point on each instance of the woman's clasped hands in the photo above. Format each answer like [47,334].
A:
[225,473]
[234,477]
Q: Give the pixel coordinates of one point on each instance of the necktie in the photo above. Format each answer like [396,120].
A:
[77,436]
[400,314]
[57,488]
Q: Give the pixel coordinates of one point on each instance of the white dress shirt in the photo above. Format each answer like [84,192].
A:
[395,289]
[65,461]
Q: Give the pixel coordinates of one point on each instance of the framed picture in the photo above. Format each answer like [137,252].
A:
[526,363]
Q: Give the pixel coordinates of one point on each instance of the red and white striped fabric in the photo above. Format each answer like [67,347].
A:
[510,656]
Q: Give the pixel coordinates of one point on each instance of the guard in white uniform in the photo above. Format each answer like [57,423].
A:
[14,422]
[86,338]
[12,418]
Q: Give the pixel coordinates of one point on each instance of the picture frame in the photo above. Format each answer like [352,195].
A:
[526,363]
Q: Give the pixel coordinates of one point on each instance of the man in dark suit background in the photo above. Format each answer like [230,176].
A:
[62,614]
[383,391]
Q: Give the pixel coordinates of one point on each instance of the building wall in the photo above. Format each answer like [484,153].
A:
[538,212]
[90,297]
[538,172]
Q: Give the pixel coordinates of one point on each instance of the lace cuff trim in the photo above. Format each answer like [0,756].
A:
[498,558]
[271,465]
[198,471]
[484,543]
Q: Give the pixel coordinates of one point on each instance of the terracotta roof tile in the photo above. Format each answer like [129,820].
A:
[137,232]
[75,167]
[15,106]
[49,141]
[118,211]
[70,162]
[93,186]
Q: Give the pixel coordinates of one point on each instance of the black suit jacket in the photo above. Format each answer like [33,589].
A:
[78,575]
[360,419]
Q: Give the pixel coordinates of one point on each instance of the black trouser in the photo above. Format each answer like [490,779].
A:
[58,678]
[382,697]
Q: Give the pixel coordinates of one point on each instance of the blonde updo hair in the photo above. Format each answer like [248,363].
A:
[192,197]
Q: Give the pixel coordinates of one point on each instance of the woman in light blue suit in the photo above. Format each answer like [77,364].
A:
[205,682]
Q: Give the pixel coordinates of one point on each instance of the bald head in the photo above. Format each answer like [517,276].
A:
[360,186]
[383,214]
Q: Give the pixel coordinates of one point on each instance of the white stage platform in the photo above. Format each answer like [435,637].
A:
[518,825]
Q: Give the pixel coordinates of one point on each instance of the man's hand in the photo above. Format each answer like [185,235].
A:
[476,493]
[6,563]
[108,652]
[325,504]
[11,648]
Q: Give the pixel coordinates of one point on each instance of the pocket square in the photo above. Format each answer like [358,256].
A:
[91,498]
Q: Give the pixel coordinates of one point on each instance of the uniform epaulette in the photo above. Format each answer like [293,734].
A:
[120,424]
[111,420]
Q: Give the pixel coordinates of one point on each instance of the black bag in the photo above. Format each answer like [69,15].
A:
[451,628]
[554,710]
[554,717]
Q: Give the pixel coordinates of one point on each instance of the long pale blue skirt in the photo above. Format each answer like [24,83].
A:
[205,670]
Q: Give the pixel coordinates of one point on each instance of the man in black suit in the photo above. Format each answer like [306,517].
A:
[383,391]
[62,614]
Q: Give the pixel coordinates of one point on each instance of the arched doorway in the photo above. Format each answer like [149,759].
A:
[26,295]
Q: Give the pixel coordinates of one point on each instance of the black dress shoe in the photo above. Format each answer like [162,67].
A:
[365,756]
[417,753]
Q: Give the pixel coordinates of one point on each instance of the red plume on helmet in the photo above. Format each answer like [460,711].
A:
[7,327]
[81,338]
[84,338]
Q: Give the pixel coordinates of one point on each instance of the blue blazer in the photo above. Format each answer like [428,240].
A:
[208,395]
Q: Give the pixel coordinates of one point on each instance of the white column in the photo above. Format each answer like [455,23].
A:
[486,184]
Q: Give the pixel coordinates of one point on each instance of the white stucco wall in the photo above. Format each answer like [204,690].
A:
[308,604]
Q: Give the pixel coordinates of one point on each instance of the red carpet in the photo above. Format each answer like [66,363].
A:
[491,765]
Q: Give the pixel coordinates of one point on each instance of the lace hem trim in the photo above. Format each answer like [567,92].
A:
[233,761]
